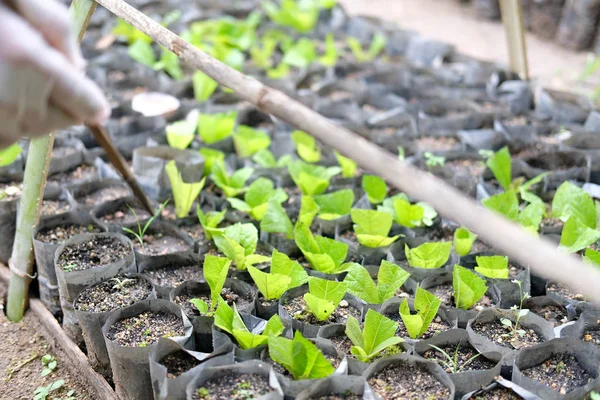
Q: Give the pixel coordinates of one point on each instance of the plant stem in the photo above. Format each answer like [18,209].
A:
[34,182]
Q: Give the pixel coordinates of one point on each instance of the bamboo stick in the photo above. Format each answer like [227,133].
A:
[541,255]
[512,19]
[30,204]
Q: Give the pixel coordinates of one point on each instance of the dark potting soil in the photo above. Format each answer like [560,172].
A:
[563,291]
[81,173]
[104,195]
[298,309]
[173,276]
[436,327]
[112,294]
[229,295]
[195,231]
[467,167]
[464,354]
[562,373]
[234,387]
[553,223]
[60,233]
[156,244]
[383,132]
[407,382]
[340,396]
[54,207]
[96,252]
[445,293]
[178,363]
[592,334]
[429,143]
[503,336]
[554,313]
[124,216]
[497,394]
[10,191]
[343,345]
[145,329]
[446,234]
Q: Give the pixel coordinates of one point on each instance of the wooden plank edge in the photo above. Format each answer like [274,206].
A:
[56,336]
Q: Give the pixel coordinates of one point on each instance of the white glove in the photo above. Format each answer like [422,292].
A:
[42,86]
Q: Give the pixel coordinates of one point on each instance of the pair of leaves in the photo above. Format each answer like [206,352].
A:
[180,134]
[468,287]
[285,274]
[379,333]
[576,236]
[495,267]
[276,219]
[214,128]
[377,45]
[426,306]
[324,254]
[210,220]
[389,279]
[184,193]
[230,185]
[306,146]
[507,204]
[238,242]
[429,255]
[249,141]
[311,179]
[463,241]
[572,201]
[324,296]
[215,272]
[266,159]
[372,227]
[257,198]
[375,188]
[335,204]
[300,357]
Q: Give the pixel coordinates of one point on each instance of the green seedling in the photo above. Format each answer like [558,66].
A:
[520,312]
[469,288]
[377,45]
[214,128]
[231,185]
[266,159]
[238,242]
[257,198]
[184,193]
[372,228]
[431,160]
[121,283]
[375,188]
[49,363]
[42,392]
[324,254]
[311,179]
[426,306]
[334,205]
[249,141]
[300,357]
[306,146]
[451,362]
[209,220]
[389,279]
[324,296]
[378,335]
[430,255]
[141,231]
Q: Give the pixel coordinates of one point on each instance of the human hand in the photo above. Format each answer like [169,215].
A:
[42,84]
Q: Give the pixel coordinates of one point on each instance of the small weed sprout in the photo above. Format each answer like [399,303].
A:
[42,392]
[202,393]
[431,160]
[49,362]
[451,362]
[141,231]
[519,312]
[121,283]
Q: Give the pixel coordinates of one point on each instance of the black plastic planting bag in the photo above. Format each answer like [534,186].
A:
[338,385]
[579,24]
[166,388]
[397,255]
[174,261]
[406,361]
[246,367]
[562,107]
[130,365]
[91,326]
[164,229]
[587,354]
[81,191]
[465,381]
[67,155]
[501,383]
[71,283]
[45,252]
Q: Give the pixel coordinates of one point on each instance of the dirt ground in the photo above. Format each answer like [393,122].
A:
[22,346]
[456,23]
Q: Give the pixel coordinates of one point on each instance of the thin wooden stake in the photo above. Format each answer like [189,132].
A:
[512,19]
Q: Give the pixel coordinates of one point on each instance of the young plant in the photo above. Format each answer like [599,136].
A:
[306,146]
[276,220]
[324,254]
[181,134]
[301,54]
[426,306]
[214,128]
[311,179]
[229,320]
[231,185]
[266,159]
[592,257]
[42,392]
[324,296]
[389,279]
[572,201]
[211,156]
[407,214]
[209,221]
[375,188]
[49,363]
[184,193]
[285,274]
[430,255]
[576,236]
[335,204]
[249,141]
[121,283]
[204,86]
[379,334]
[451,362]
[300,357]
[302,16]
[520,312]
[463,241]
[257,198]
[372,228]
[261,55]
[469,288]
[377,45]
[215,272]
[501,166]
[494,267]
[348,166]
[238,242]
[431,160]
[141,231]
[331,54]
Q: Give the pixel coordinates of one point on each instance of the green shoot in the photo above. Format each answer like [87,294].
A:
[141,231]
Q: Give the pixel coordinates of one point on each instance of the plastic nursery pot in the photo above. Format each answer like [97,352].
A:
[519,134]
[89,194]
[129,362]
[171,271]
[573,358]
[563,165]
[350,305]
[45,245]
[402,370]
[57,200]
[562,294]
[556,312]
[439,116]
[338,385]
[192,227]
[161,239]
[397,255]
[562,107]
[468,379]
[149,168]
[507,90]
[173,367]
[92,312]
[329,227]
[116,213]
[282,243]
[500,387]
[67,154]
[367,255]
[73,277]
[249,373]
[530,323]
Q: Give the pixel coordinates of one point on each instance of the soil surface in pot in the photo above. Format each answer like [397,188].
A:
[339,396]
[467,358]
[10,191]
[563,291]
[112,294]
[592,335]
[178,363]
[124,215]
[446,234]
[429,143]
[474,168]
[299,311]
[235,387]
[104,195]
[436,327]
[343,345]
[53,207]
[145,329]
[407,382]
[551,223]
[554,313]
[82,173]
[496,394]
[195,231]
[503,336]
[60,233]
[562,373]
[173,276]
[229,295]
[157,244]
[445,293]
[95,252]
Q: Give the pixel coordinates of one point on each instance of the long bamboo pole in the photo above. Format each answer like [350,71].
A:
[30,204]
[512,19]
[541,255]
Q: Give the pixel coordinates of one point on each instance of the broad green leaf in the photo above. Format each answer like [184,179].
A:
[320,308]
[213,128]
[335,204]
[249,340]
[248,141]
[326,289]
[308,211]
[379,334]
[238,178]
[468,287]
[374,241]
[204,86]
[360,283]
[306,146]
[210,220]
[321,262]
[532,215]
[181,134]
[347,165]
[244,234]
[428,255]
[239,205]
[211,156]
[232,249]
[274,326]
[300,357]
[408,215]
[389,279]
[272,286]
[371,222]
[495,267]
[184,193]
[576,236]
[215,272]
[265,159]
[228,319]
[572,201]
[354,333]
[311,179]
[463,241]
[334,249]
[505,203]
[142,52]
[301,55]
[592,256]
[426,305]
[305,240]
[275,219]
[9,154]
[230,185]
[500,165]
[200,305]
[282,264]
[375,188]
[413,322]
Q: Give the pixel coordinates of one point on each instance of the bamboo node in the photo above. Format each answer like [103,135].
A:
[18,272]
[178,46]
[261,96]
